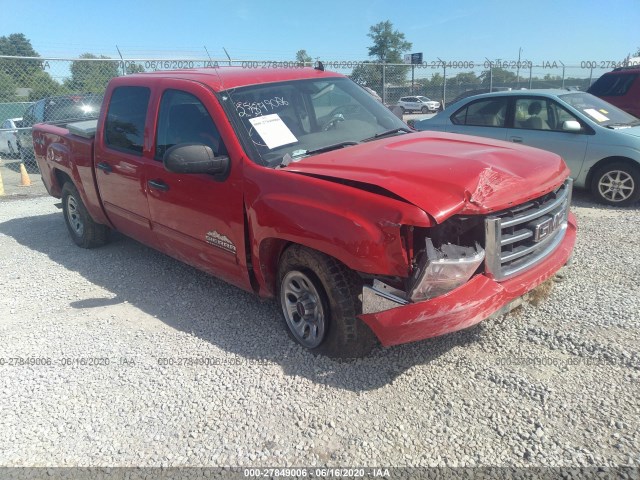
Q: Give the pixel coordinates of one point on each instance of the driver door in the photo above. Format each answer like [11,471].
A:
[197,218]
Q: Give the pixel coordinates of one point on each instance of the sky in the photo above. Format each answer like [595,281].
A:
[462,30]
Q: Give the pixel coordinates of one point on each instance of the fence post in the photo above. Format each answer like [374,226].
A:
[530,73]
[384,81]
[563,76]
[590,75]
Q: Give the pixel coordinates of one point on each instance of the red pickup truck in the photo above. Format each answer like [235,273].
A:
[297,184]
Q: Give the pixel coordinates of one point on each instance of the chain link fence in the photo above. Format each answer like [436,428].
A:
[34,90]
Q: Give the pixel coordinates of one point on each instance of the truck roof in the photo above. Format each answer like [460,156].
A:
[223,78]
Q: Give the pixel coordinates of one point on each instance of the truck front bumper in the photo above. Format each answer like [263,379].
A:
[478,299]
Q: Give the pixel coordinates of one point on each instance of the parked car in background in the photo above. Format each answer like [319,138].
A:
[599,142]
[9,135]
[62,108]
[418,104]
[620,87]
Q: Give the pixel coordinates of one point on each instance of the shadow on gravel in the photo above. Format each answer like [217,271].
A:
[191,301]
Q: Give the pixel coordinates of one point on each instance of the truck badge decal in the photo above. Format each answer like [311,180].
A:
[218,240]
[543,229]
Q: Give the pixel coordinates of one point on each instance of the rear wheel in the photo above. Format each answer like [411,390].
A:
[617,183]
[84,231]
[319,302]
[12,150]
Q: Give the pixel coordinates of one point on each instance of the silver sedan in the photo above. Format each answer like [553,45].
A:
[599,142]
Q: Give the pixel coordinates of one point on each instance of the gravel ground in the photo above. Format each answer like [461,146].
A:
[553,384]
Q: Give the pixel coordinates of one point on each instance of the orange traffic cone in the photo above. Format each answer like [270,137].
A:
[1,186]
[25,181]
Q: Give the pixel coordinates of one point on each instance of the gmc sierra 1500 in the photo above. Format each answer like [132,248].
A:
[297,184]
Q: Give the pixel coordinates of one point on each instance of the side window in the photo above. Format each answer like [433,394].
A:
[184,119]
[124,127]
[27,118]
[558,115]
[38,112]
[533,114]
[489,112]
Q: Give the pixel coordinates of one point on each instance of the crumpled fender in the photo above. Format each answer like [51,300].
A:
[360,228]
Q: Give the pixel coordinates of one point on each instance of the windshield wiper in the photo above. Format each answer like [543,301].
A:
[287,159]
[388,132]
[613,126]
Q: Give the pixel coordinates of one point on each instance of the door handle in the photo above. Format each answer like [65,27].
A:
[105,167]
[516,139]
[158,185]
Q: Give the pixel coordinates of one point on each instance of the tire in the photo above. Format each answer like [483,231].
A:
[617,184]
[84,231]
[424,110]
[12,151]
[316,286]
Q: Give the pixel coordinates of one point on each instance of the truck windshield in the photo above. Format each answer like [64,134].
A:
[298,118]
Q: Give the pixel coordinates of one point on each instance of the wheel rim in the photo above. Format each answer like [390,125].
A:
[73,215]
[616,186]
[302,308]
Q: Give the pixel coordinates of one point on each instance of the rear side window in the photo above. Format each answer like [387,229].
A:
[489,112]
[124,127]
[614,85]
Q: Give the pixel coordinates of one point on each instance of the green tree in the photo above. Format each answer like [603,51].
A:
[17,45]
[303,57]
[497,76]
[8,88]
[389,45]
[134,68]
[89,75]
[637,54]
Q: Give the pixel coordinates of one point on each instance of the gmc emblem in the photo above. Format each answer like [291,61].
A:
[543,229]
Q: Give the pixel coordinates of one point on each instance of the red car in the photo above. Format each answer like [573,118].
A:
[297,184]
[620,87]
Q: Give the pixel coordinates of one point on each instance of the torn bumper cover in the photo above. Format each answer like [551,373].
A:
[467,305]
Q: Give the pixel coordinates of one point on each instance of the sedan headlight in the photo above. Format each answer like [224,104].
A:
[440,271]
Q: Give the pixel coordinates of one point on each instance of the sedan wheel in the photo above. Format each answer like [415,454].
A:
[617,184]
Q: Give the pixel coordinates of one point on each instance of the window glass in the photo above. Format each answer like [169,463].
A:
[72,107]
[614,85]
[490,112]
[38,112]
[184,119]
[124,128]
[533,114]
[599,111]
[299,118]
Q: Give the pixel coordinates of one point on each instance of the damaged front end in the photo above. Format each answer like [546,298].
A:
[470,267]
[437,265]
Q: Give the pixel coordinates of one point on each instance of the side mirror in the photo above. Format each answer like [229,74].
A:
[571,126]
[194,158]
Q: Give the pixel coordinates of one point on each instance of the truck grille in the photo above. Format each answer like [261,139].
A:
[522,236]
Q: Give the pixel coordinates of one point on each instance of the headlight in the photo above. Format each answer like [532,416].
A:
[440,271]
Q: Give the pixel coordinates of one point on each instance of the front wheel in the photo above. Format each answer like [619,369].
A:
[319,301]
[424,110]
[84,231]
[617,184]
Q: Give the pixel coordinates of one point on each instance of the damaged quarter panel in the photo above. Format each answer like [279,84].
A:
[356,226]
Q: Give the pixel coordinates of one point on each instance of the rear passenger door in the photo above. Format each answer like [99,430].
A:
[485,117]
[119,162]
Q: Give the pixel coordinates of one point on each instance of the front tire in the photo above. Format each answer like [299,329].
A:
[319,302]
[84,231]
[617,184]
[424,110]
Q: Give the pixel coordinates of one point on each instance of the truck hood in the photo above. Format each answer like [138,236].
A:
[442,173]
